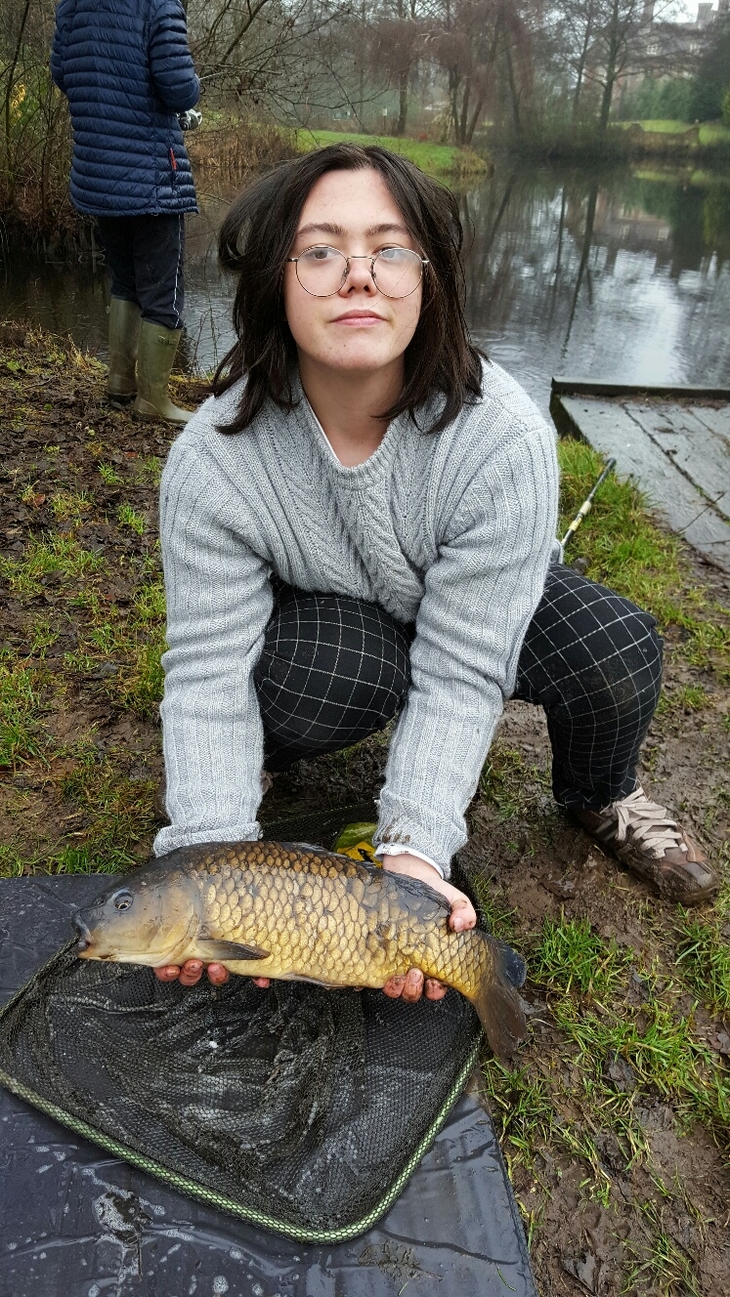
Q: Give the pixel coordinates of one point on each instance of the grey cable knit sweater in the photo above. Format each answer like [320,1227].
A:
[453,531]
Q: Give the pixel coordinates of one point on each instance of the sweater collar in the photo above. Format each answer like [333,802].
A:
[356,476]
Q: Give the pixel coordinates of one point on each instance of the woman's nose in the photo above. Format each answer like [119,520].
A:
[358,276]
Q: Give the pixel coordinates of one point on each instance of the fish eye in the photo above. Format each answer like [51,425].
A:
[123,900]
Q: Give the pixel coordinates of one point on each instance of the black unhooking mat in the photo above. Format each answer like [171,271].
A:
[457,1210]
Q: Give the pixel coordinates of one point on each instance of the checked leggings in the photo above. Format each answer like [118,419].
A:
[335,669]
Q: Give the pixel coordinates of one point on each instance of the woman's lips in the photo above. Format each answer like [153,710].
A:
[362,318]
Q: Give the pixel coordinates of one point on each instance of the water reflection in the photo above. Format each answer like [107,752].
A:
[624,277]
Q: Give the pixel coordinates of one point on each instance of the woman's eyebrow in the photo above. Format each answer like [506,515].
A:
[326,227]
[323,226]
[387,228]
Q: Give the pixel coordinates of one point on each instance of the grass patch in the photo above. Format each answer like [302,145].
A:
[610,1056]
[685,698]
[53,555]
[109,475]
[662,1267]
[434,159]
[626,551]
[117,808]
[127,516]
[70,506]
[569,955]
[21,707]
[510,783]
[148,471]
[708,133]
[524,1104]
[120,648]
[499,918]
[703,959]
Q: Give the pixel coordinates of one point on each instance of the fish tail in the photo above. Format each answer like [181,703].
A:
[496,999]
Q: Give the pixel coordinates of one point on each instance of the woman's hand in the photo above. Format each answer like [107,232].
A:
[410,986]
[463,916]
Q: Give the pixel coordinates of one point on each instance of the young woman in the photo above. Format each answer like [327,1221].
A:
[360,524]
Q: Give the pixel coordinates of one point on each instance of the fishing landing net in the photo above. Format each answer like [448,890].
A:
[297,1109]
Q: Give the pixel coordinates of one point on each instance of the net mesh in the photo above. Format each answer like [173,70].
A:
[298,1108]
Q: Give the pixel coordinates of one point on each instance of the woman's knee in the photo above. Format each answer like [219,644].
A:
[332,670]
[588,643]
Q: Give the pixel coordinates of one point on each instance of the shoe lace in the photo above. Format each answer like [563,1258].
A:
[650,824]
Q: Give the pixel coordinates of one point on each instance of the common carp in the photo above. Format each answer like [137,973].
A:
[283,910]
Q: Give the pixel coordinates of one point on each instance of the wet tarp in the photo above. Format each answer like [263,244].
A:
[78,1222]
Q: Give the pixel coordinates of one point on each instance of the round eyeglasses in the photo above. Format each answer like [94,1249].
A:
[322,270]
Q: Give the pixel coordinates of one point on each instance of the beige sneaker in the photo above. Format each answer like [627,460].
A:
[650,843]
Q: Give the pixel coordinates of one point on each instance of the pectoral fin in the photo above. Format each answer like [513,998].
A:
[215,948]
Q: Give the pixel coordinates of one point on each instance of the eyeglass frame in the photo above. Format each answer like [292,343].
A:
[360,256]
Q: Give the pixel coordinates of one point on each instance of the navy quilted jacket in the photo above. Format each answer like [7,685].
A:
[127,71]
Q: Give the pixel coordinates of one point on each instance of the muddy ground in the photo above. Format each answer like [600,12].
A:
[620,1166]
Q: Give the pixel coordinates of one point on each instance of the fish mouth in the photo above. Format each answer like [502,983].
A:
[85,938]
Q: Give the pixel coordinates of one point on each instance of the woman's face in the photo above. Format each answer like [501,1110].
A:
[358,328]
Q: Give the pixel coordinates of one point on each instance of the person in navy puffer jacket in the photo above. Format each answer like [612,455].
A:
[127,71]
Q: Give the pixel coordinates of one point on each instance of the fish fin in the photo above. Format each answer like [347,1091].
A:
[317,981]
[513,965]
[498,1004]
[214,948]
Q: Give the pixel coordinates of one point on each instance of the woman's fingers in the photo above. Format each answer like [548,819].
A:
[412,986]
[191,972]
[435,990]
[463,915]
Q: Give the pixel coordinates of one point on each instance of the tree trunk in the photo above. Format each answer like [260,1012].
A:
[454,80]
[514,98]
[612,68]
[606,99]
[402,103]
[464,114]
[580,70]
[474,120]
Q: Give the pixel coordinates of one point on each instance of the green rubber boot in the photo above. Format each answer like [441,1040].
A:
[157,347]
[124,321]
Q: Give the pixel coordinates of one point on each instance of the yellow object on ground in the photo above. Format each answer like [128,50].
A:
[356,841]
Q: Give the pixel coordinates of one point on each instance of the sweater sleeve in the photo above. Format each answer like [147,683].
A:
[171,64]
[480,595]
[219,600]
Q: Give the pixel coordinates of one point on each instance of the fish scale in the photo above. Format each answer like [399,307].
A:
[384,942]
[294,912]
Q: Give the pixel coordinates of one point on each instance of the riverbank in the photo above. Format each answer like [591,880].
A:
[235,147]
[681,143]
[615,1118]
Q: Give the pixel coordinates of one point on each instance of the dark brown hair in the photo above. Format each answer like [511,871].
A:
[255,240]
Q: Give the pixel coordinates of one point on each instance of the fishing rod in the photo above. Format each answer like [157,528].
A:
[587,504]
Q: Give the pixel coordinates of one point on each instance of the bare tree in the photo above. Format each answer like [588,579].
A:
[35,137]
[484,49]
[606,40]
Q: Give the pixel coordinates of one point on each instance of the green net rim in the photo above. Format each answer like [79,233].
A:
[209,1196]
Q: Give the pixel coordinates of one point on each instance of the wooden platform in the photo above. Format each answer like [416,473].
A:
[674,442]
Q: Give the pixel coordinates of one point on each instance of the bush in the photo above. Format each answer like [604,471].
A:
[35,142]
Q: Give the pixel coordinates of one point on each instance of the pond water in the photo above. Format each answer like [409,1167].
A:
[624,276]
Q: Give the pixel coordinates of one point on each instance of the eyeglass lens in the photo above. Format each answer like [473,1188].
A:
[397,271]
